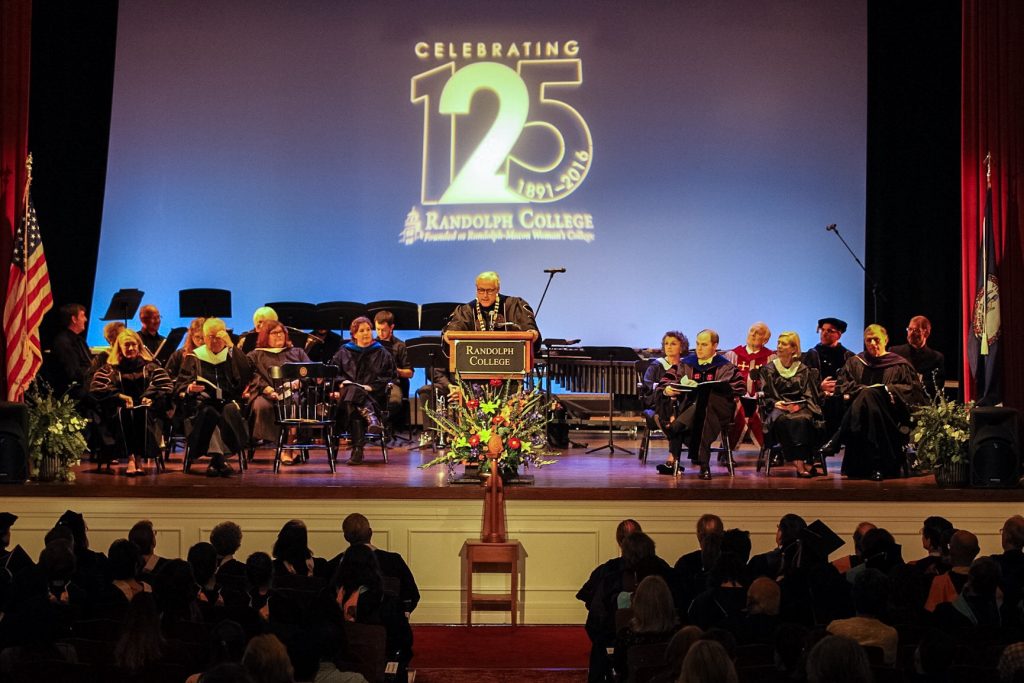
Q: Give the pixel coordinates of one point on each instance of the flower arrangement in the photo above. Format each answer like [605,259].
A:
[941,433]
[516,415]
[55,433]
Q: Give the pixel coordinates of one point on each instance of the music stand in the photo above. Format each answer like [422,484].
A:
[204,303]
[338,315]
[170,344]
[435,316]
[427,353]
[407,314]
[612,354]
[123,305]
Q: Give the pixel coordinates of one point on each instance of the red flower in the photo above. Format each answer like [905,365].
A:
[474,440]
[495,382]
[514,443]
[473,404]
[497,419]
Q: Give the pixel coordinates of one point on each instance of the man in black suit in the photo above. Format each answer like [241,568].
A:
[357,531]
[693,567]
[70,357]
[929,363]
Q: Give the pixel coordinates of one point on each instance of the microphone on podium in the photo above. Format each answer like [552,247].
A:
[554,270]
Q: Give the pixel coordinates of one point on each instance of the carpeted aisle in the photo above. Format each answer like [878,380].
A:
[500,654]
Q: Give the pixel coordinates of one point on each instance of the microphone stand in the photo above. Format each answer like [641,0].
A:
[876,292]
[551,276]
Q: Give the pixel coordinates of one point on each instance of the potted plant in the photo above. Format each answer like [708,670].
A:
[55,434]
[517,416]
[942,430]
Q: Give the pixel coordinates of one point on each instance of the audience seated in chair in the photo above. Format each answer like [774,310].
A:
[143,535]
[292,556]
[654,620]
[226,539]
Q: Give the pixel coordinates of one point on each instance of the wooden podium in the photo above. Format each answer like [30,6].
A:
[490,355]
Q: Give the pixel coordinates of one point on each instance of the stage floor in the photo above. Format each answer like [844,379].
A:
[577,476]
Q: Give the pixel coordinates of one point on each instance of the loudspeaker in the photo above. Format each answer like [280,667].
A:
[13,443]
[995,448]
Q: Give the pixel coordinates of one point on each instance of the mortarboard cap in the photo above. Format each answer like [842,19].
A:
[834,322]
[7,520]
[818,537]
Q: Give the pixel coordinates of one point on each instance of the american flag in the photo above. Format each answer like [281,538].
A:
[28,300]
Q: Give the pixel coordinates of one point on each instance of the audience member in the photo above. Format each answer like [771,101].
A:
[707,662]
[125,565]
[975,615]
[936,533]
[357,531]
[775,563]
[836,659]
[845,564]
[142,644]
[1011,560]
[725,597]
[292,555]
[226,538]
[592,594]
[676,652]
[693,567]
[654,621]
[870,597]
[266,660]
[143,535]
[963,548]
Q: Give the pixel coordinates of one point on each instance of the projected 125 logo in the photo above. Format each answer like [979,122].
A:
[536,148]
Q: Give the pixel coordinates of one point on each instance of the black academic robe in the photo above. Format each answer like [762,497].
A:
[511,309]
[797,433]
[231,375]
[373,366]
[261,409]
[881,392]
[687,417]
[137,431]
[929,364]
[828,361]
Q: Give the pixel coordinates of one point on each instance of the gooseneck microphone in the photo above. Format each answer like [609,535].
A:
[830,227]
[554,270]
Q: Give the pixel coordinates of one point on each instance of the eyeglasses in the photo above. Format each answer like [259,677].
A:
[480,290]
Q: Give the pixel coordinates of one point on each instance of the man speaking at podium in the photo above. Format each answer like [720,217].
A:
[490,311]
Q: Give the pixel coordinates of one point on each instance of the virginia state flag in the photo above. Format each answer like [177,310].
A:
[983,334]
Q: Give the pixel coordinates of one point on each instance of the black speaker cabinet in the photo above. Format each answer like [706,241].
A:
[13,443]
[995,448]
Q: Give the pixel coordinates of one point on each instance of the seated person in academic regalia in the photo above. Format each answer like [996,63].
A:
[384,324]
[882,388]
[792,400]
[110,332]
[213,378]
[748,358]
[684,416]
[929,363]
[131,391]
[12,561]
[674,345]
[247,340]
[273,349]
[364,369]
[828,357]
[149,316]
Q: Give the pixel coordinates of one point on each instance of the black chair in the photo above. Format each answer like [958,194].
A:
[304,407]
[649,425]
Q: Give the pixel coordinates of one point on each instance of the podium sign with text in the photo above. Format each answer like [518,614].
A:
[491,355]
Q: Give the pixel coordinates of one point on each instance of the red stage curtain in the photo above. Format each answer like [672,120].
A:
[992,120]
[15,55]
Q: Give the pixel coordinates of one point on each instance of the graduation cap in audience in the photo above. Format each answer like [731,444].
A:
[834,322]
[7,520]
[819,540]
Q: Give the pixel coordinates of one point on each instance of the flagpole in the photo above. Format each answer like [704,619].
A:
[983,350]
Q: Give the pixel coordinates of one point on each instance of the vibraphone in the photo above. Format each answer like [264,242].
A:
[579,371]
